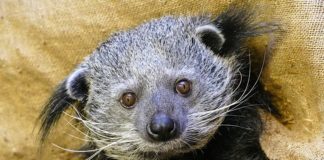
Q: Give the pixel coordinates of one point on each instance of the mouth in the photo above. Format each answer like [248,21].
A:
[170,150]
[179,145]
[164,154]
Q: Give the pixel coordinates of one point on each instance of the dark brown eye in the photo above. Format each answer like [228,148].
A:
[128,99]
[183,86]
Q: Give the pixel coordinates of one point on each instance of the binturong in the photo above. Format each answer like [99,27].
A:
[178,88]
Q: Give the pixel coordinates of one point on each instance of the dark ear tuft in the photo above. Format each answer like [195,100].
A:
[53,109]
[72,90]
[231,28]
[235,24]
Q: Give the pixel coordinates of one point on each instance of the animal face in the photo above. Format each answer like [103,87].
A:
[174,87]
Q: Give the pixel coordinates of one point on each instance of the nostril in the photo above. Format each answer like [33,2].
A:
[162,127]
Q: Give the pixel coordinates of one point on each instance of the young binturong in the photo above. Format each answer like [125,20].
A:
[174,88]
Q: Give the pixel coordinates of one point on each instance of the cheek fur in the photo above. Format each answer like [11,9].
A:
[207,115]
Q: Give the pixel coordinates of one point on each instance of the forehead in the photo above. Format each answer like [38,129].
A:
[153,47]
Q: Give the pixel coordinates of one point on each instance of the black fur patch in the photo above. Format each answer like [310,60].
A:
[237,24]
[56,105]
[61,99]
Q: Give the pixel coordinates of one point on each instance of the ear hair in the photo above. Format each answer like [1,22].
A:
[76,85]
[211,36]
[70,91]
[56,105]
[231,28]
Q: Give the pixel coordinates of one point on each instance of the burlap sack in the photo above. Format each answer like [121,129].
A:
[41,42]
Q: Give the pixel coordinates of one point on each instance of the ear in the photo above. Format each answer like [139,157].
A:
[77,85]
[73,89]
[211,36]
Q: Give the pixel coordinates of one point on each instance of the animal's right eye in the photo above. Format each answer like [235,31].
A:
[128,100]
[183,86]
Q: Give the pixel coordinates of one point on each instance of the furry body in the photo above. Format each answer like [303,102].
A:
[219,118]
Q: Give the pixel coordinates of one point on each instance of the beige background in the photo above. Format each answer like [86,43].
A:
[41,42]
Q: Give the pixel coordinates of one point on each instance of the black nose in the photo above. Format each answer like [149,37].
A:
[161,128]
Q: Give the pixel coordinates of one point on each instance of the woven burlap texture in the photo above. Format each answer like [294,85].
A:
[42,41]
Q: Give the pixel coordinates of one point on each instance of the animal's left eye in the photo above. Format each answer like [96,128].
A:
[128,100]
[183,86]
